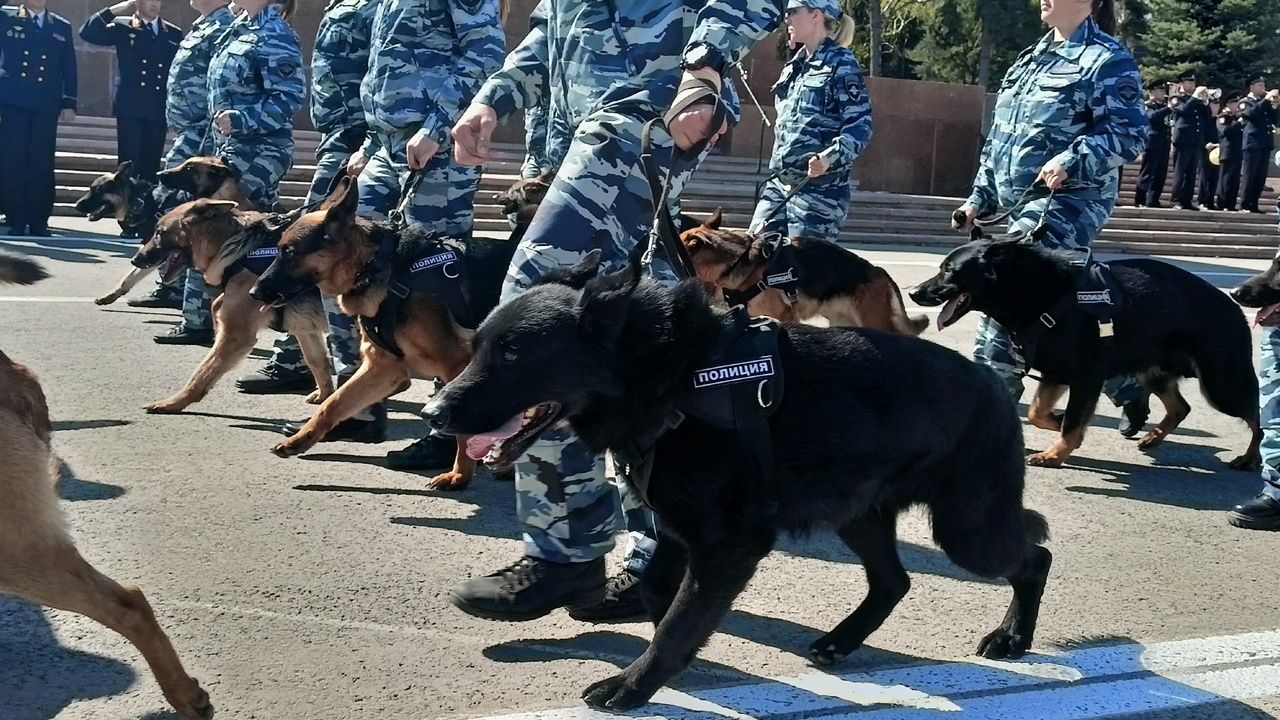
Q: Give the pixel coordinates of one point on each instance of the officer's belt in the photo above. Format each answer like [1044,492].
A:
[1096,292]
[739,389]
[440,270]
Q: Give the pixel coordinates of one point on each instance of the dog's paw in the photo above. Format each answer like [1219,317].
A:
[193,703]
[1045,459]
[316,397]
[1001,644]
[825,652]
[1245,462]
[617,694]
[287,448]
[163,407]
[106,299]
[449,481]
[1151,439]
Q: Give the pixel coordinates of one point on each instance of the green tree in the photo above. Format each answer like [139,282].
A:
[974,41]
[1222,41]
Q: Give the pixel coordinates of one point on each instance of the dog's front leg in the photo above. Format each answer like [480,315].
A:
[237,322]
[716,575]
[1080,406]
[1040,413]
[464,468]
[379,375]
[126,284]
[316,355]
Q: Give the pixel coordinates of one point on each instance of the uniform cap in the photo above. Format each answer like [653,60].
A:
[830,8]
[1256,77]
[1188,75]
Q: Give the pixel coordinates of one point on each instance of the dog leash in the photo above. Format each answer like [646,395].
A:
[277,221]
[1022,200]
[397,216]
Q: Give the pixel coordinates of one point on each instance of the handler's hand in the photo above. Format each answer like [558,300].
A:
[1053,175]
[471,134]
[818,164]
[222,121]
[966,211]
[356,163]
[694,124]
[420,150]
[67,115]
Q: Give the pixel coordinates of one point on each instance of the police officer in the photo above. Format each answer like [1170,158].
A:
[1155,158]
[1230,154]
[598,200]
[427,60]
[338,65]
[1188,140]
[145,45]
[1263,511]
[824,123]
[187,115]
[1050,135]
[1208,187]
[1260,117]
[37,90]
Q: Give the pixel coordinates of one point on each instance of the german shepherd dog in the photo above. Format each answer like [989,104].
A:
[135,203]
[1170,325]
[218,236]
[833,282]
[1262,291]
[333,249]
[520,202]
[870,423]
[38,560]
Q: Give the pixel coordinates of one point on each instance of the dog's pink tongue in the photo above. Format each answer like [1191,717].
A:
[948,310]
[479,445]
[1268,316]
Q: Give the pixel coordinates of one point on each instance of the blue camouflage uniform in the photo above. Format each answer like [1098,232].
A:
[187,115]
[602,69]
[144,54]
[1079,103]
[37,82]
[426,62]
[822,107]
[256,74]
[1269,406]
[338,65]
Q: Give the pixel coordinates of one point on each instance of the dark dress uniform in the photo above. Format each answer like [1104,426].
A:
[1259,124]
[1230,137]
[144,52]
[1208,171]
[38,82]
[1155,159]
[1188,145]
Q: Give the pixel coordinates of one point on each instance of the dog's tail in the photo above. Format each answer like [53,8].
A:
[1036,525]
[20,270]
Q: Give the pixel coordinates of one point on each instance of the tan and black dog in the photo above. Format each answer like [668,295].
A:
[133,203]
[520,201]
[833,282]
[38,560]
[418,296]
[232,247]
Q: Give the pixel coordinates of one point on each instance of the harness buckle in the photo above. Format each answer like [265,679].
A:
[1048,320]
[1106,329]
[764,394]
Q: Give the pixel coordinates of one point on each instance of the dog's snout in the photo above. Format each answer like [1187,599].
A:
[435,413]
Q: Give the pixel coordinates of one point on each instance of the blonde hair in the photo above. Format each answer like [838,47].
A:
[842,30]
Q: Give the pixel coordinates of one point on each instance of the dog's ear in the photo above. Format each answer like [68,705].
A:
[125,170]
[340,208]
[575,276]
[604,304]
[206,208]
[714,221]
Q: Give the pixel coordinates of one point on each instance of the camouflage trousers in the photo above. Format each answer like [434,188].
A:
[569,508]
[196,298]
[445,197]
[261,165]
[344,340]
[814,211]
[1269,407]
[188,143]
[1071,223]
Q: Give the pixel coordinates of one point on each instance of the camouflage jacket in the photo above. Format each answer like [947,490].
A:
[338,66]
[256,73]
[1079,103]
[427,60]
[582,56]
[187,102]
[822,106]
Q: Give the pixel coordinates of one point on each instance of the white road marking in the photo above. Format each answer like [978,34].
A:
[1093,682]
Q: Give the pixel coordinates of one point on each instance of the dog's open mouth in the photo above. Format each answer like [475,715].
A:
[504,445]
[1268,316]
[96,215]
[953,310]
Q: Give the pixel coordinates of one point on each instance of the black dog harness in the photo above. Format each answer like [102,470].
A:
[781,273]
[739,389]
[440,270]
[1096,292]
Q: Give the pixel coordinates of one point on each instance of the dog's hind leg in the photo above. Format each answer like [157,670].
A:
[874,539]
[315,353]
[62,579]
[1040,413]
[238,320]
[1080,407]
[1228,383]
[717,573]
[379,375]
[126,284]
[1176,408]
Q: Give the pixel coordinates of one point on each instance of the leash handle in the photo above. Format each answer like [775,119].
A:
[664,227]
[693,92]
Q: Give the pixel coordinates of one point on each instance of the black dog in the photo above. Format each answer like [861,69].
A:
[870,424]
[1170,324]
[1262,291]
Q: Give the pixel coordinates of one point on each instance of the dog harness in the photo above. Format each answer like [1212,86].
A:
[739,388]
[1096,292]
[439,270]
[781,273]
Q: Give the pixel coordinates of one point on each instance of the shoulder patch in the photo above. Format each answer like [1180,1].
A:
[469,6]
[287,68]
[853,86]
[1128,89]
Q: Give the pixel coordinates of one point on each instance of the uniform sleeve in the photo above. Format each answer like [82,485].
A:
[1119,128]
[1252,111]
[99,28]
[370,145]
[522,81]
[70,82]
[479,46]
[1161,115]
[733,26]
[535,142]
[279,61]
[983,197]
[855,111]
